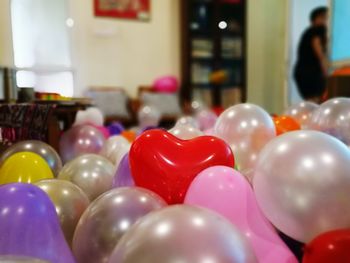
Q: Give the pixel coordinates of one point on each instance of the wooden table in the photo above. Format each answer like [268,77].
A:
[40,120]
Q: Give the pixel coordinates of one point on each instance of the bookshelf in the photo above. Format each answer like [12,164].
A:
[213,39]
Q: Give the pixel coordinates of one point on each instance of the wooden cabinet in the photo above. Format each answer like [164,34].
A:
[213,51]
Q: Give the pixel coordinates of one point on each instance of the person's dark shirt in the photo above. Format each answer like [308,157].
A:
[307,56]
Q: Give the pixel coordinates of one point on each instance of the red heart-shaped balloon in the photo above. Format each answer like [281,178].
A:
[166,165]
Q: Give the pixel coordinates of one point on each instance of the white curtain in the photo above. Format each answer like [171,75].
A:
[41,43]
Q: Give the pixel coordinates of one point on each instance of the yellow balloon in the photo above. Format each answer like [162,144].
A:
[24,167]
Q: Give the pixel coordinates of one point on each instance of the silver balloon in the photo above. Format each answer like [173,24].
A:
[148,116]
[197,105]
[187,120]
[246,128]
[185,132]
[108,218]
[302,184]
[185,234]
[91,115]
[115,148]
[70,202]
[43,149]
[333,117]
[302,112]
[91,172]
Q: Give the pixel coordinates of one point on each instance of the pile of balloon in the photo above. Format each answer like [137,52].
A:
[213,189]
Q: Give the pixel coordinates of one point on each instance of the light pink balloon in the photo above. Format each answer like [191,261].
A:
[206,119]
[228,193]
[103,130]
[79,140]
[209,132]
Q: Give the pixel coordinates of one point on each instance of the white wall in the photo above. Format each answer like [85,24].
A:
[124,53]
[299,21]
[267,66]
[6,51]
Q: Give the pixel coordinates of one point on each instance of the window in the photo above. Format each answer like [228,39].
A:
[41,43]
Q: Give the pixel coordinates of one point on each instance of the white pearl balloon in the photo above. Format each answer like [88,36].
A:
[302,112]
[90,116]
[185,132]
[246,128]
[302,184]
[148,116]
[115,148]
[333,117]
[187,120]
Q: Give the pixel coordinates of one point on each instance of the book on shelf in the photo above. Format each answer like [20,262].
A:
[202,48]
[231,48]
[200,74]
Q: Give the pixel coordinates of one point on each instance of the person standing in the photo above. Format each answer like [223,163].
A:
[311,69]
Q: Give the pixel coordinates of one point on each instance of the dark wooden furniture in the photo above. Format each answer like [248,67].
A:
[337,86]
[62,118]
[40,120]
[213,39]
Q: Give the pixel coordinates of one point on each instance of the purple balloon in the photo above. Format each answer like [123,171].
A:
[29,225]
[115,128]
[81,139]
[123,175]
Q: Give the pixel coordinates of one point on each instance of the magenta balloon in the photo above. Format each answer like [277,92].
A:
[29,225]
[80,140]
[123,175]
[228,193]
[168,84]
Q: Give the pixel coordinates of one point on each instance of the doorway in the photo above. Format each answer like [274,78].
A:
[299,12]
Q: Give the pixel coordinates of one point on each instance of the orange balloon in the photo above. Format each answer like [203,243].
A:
[129,135]
[285,124]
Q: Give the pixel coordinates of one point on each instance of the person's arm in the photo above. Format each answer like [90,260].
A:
[317,47]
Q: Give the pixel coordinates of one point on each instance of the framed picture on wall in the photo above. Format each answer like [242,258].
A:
[125,9]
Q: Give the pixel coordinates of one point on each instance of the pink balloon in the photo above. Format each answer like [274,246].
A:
[228,193]
[209,132]
[167,84]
